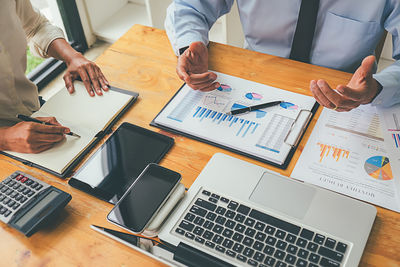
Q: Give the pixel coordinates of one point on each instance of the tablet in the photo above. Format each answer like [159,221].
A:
[110,171]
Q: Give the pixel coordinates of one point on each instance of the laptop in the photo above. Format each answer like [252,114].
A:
[246,215]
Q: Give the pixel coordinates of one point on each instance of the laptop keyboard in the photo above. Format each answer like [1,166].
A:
[252,237]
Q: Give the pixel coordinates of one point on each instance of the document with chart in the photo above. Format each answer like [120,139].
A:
[268,134]
[346,153]
[391,131]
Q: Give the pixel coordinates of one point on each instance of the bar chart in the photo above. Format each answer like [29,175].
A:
[240,127]
[332,151]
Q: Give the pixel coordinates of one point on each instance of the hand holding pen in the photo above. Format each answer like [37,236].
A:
[52,121]
[32,137]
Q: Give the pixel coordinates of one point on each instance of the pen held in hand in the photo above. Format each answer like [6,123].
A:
[27,118]
[252,108]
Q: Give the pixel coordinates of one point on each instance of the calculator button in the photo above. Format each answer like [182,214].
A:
[23,199]
[34,184]
[29,182]
[2,210]
[12,176]
[4,189]
[24,179]
[12,183]
[31,193]
[18,197]
[39,187]
[11,203]
[13,194]
[1,186]
[7,213]
[9,191]
[17,185]
[21,188]
[2,197]
[6,181]
[6,200]
[19,177]
[16,206]
[26,191]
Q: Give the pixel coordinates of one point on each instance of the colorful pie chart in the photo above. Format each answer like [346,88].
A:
[224,88]
[288,105]
[378,167]
[253,96]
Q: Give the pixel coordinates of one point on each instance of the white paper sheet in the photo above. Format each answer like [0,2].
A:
[346,153]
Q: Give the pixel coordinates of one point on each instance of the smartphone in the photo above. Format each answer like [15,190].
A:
[144,198]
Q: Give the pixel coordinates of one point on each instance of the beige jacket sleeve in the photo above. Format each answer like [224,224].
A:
[39,31]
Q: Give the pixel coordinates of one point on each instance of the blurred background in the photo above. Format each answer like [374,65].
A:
[92,25]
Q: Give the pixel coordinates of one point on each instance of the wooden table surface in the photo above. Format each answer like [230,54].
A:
[143,61]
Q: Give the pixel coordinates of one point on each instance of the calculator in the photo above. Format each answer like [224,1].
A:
[26,202]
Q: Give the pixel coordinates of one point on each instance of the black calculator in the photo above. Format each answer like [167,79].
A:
[26,202]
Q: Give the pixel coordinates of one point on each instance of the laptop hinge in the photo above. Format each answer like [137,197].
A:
[193,257]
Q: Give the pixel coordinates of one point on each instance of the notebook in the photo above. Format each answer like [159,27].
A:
[270,135]
[89,117]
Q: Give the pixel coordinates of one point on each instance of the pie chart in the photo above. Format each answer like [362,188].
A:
[224,88]
[253,96]
[288,105]
[378,167]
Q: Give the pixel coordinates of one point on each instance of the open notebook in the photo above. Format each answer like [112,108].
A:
[89,117]
[270,135]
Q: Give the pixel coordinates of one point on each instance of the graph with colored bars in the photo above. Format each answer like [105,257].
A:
[396,139]
[240,127]
[396,136]
[336,153]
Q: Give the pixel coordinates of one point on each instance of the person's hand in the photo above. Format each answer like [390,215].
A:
[32,137]
[192,68]
[88,71]
[361,89]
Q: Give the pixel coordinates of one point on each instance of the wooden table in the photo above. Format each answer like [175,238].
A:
[143,61]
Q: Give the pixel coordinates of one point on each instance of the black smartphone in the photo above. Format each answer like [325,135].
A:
[144,198]
[112,169]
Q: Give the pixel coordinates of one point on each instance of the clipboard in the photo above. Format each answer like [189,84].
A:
[292,138]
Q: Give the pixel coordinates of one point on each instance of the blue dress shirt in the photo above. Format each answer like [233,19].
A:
[346,31]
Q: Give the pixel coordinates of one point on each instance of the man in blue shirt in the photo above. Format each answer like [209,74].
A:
[346,35]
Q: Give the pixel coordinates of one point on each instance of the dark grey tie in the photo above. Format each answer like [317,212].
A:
[305,28]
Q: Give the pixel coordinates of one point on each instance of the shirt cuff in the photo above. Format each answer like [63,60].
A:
[42,39]
[390,93]
[190,38]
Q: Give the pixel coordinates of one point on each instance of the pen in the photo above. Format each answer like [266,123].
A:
[27,118]
[251,108]
[129,238]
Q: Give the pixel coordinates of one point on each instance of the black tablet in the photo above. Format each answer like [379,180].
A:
[110,171]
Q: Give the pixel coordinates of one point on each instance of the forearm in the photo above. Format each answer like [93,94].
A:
[61,49]
[189,21]
[3,139]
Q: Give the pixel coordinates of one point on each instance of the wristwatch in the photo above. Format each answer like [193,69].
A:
[182,50]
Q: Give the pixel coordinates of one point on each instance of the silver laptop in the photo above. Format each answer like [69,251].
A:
[248,216]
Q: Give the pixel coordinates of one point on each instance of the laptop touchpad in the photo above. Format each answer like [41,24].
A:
[283,195]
